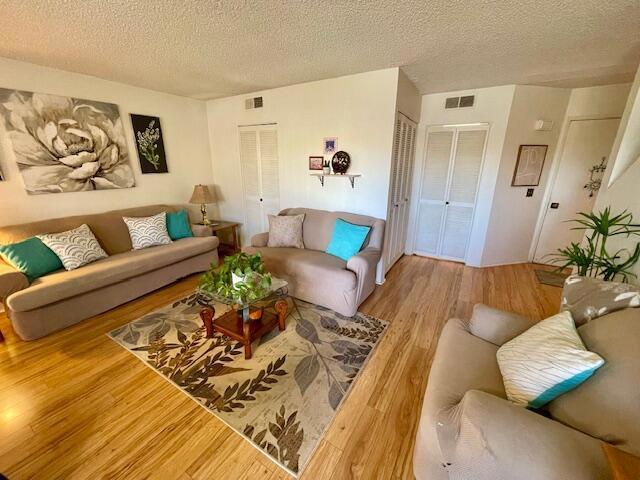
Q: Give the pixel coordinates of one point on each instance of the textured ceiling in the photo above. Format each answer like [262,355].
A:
[208,49]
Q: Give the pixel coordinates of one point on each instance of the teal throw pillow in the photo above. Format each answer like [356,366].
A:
[31,257]
[178,225]
[347,239]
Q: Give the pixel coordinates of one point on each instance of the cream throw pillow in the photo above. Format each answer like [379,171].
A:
[148,231]
[75,248]
[286,231]
[546,361]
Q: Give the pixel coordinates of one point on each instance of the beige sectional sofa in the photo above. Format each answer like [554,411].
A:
[317,277]
[64,298]
[469,430]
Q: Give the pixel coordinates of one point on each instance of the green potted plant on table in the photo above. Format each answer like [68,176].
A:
[241,278]
[591,258]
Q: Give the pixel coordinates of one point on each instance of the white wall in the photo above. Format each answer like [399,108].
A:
[513,215]
[622,192]
[184,127]
[357,109]
[492,106]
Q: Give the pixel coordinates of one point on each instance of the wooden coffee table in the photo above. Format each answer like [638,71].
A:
[246,323]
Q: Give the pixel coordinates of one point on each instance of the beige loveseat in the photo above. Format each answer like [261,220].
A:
[469,430]
[317,277]
[63,298]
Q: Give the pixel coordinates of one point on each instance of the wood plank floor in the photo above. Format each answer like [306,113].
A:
[75,405]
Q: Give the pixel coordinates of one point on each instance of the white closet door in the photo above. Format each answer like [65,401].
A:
[260,176]
[463,187]
[397,214]
[433,191]
[451,173]
[269,177]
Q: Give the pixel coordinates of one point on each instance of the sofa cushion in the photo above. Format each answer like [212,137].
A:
[347,239]
[319,268]
[607,405]
[148,232]
[61,285]
[75,248]
[588,298]
[178,225]
[31,257]
[285,231]
[546,361]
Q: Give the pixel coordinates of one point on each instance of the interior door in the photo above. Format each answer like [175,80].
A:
[260,177]
[448,191]
[588,143]
[401,167]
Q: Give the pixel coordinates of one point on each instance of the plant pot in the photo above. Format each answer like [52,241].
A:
[326,170]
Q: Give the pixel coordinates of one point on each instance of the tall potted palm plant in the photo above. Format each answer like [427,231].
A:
[592,257]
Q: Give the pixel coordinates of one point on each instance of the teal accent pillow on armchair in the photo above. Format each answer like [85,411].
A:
[347,239]
[178,225]
[31,257]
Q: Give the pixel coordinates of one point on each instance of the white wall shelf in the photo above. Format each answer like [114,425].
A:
[350,176]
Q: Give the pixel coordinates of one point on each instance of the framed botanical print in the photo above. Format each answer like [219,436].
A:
[529,165]
[149,143]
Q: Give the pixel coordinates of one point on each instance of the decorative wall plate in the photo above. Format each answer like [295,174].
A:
[340,162]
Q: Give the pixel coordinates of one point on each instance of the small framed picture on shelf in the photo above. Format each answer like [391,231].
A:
[330,145]
[529,165]
[315,163]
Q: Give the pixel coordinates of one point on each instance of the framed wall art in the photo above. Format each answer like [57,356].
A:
[330,145]
[65,144]
[149,143]
[315,163]
[529,165]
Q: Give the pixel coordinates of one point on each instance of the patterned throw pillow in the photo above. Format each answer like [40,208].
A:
[148,231]
[75,248]
[588,298]
[546,361]
[286,231]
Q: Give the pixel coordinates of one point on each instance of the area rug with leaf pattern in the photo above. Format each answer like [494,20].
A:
[282,399]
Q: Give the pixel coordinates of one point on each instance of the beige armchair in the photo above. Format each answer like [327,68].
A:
[317,277]
[469,430]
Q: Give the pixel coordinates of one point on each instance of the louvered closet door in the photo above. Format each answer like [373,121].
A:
[463,187]
[260,177]
[453,164]
[402,163]
[433,192]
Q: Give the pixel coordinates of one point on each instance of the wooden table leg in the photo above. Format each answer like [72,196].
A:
[236,246]
[246,331]
[281,307]
[207,314]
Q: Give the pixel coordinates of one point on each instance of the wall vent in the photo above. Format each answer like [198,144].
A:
[467,101]
[255,102]
[460,102]
[452,102]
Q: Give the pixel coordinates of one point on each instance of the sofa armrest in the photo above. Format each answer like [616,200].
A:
[496,326]
[201,230]
[364,266]
[11,281]
[494,438]
[260,240]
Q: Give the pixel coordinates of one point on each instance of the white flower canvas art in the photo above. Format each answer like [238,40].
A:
[64,144]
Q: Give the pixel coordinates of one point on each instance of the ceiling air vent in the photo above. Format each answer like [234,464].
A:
[255,102]
[452,102]
[460,102]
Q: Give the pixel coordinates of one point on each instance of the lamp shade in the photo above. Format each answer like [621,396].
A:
[202,195]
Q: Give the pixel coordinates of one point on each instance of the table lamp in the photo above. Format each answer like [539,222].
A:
[202,195]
